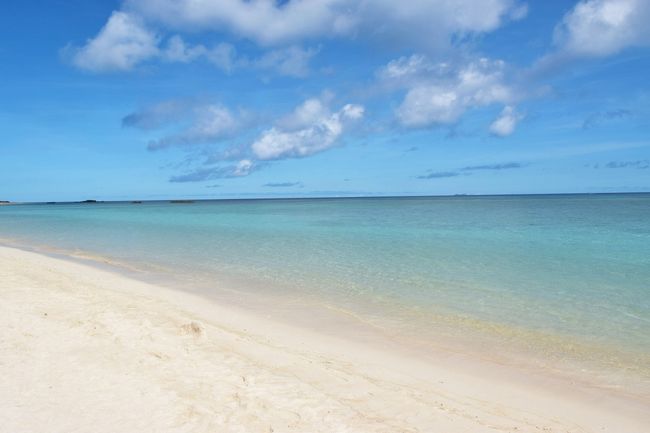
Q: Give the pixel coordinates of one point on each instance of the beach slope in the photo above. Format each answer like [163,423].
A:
[87,350]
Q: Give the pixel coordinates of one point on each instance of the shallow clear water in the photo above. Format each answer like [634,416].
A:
[567,266]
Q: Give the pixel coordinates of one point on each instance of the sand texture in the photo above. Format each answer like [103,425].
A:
[87,350]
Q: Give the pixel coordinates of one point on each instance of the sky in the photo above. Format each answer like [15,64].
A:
[159,99]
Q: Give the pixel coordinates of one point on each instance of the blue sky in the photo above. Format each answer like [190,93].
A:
[230,98]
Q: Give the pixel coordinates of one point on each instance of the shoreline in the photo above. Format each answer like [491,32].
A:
[185,340]
[544,357]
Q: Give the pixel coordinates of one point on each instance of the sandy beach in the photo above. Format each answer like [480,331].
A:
[87,350]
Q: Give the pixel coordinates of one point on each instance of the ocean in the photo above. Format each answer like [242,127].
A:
[563,277]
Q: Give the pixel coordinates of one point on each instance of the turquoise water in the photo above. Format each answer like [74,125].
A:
[569,266]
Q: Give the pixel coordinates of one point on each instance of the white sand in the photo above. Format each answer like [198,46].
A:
[86,350]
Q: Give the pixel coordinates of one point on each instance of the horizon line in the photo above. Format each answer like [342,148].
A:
[189,200]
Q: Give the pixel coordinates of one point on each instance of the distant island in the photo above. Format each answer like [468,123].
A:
[3,202]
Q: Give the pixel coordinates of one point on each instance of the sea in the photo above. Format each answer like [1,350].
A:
[563,279]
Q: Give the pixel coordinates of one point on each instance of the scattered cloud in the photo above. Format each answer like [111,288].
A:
[466,171]
[506,123]
[310,129]
[126,41]
[596,119]
[222,55]
[421,23]
[240,169]
[409,69]
[642,164]
[292,61]
[200,123]
[432,92]
[211,123]
[439,175]
[596,28]
[157,115]
[122,43]
[283,184]
[500,166]
[135,33]
[440,93]
[178,51]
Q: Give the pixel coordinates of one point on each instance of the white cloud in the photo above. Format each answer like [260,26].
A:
[127,39]
[213,122]
[260,20]
[444,96]
[604,27]
[200,123]
[292,61]
[310,128]
[121,44]
[223,56]
[178,51]
[243,168]
[126,42]
[313,129]
[410,68]
[306,114]
[423,23]
[506,123]
[157,115]
[428,105]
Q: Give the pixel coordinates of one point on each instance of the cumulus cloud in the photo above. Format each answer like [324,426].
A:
[312,127]
[120,45]
[178,51]
[222,55]
[292,61]
[594,29]
[307,113]
[198,123]
[414,71]
[211,123]
[315,129]
[506,123]
[440,94]
[604,27]
[126,42]
[417,22]
[127,38]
